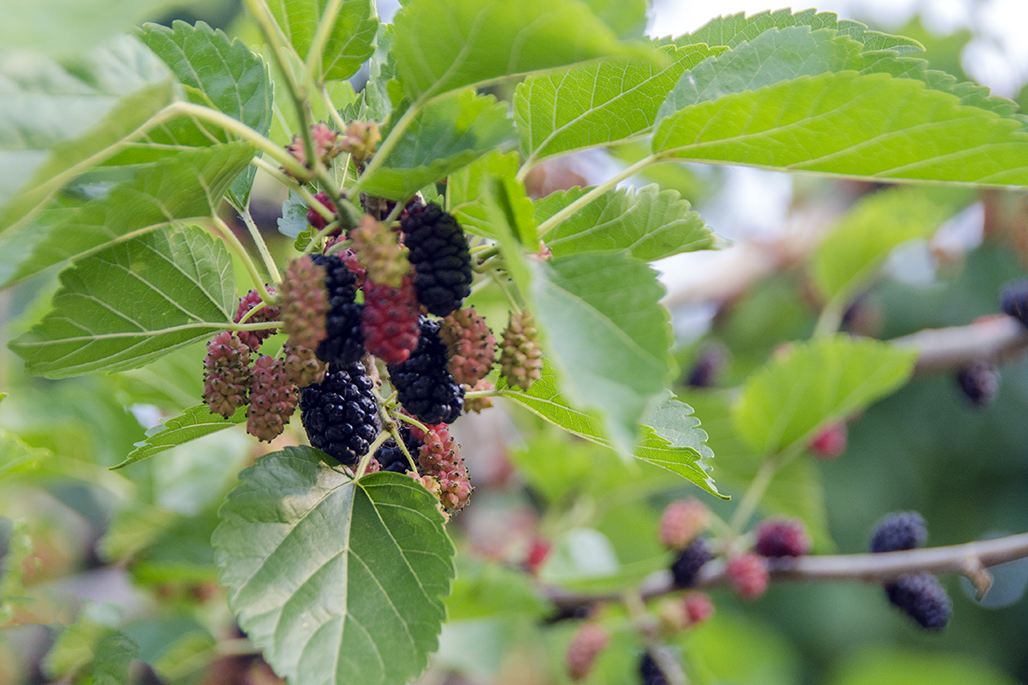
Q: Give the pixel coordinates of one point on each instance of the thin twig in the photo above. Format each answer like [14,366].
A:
[941,349]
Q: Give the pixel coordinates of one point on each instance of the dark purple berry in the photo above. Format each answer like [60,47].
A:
[922,597]
[897,531]
[439,253]
[689,561]
[340,413]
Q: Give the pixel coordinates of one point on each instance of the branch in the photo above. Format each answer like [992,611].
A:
[968,559]
[994,338]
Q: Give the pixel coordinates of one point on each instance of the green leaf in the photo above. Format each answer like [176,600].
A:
[234,79]
[443,45]
[58,119]
[736,29]
[177,190]
[293,221]
[446,135]
[350,40]
[777,103]
[510,213]
[192,424]
[608,336]
[596,103]
[464,197]
[136,301]
[849,256]
[647,224]
[671,436]
[16,542]
[336,581]
[92,653]
[19,457]
[815,383]
[67,27]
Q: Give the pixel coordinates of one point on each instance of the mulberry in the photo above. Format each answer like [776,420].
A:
[440,257]
[480,403]
[979,382]
[253,339]
[521,359]
[226,377]
[586,644]
[360,139]
[707,367]
[748,575]
[272,399]
[681,522]
[378,248]
[390,321]
[303,366]
[698,607]
[687,564]
[424,385]
[782,538]
[902,530]
[340,413]
[325,143]
[922,597]
[304,303]
[343,343]
[314,217]
[830,442]
[470,345]
[650,671]
[439,456]
[1014,300]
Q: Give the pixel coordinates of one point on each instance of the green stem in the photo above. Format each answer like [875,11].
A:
[262,247]
[297,93]
[239,250]
[398,439]
[412,421]
[317,237]
[387,146]
[363,465]
[254,310]
[259,326]
[830,319]
[333,112]
[238,128]
[326,23]
[473,394]
[555,220]
[753,495]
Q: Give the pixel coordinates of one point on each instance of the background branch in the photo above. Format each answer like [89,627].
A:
[994,338]
[968,558]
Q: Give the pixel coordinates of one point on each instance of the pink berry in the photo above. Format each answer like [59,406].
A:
[698,607]
[585,646]
[682,521]
[830,442]
[748,575]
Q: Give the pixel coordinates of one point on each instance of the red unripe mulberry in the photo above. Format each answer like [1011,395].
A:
[272,399]
[470,345]
[748,575]
[682,521]
[390,321]
[226,378]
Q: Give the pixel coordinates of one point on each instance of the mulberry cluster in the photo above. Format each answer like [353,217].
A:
[470,345]
[439,457]
[390,321]
[253,339]
[424,384]
[272,399]
[226,377]
[919,595]
[439,253]
[521,358]
[340,414]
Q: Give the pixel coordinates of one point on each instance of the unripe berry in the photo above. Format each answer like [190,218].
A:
[378,248]
[324,141]
[686,566]
[898,531]
[650,672]
[782,538]
[439,456]
[390,321]
[748,575]
[538,552]
[478,404]
[922,597]
[698,607]
[521,358]
[253,339]
[586,644]
[360,140]
[303,366]
[304,303]
[226,377]
[682,521]
[272,399]
[470,345]
[830,442]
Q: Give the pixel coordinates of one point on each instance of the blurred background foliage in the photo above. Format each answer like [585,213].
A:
[85,550]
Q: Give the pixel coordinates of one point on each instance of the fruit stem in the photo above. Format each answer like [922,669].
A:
[830,319]
[290,183]
[363,465]
[239,250]
[262,247]
[316,238]
[387,146]
[412,421]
